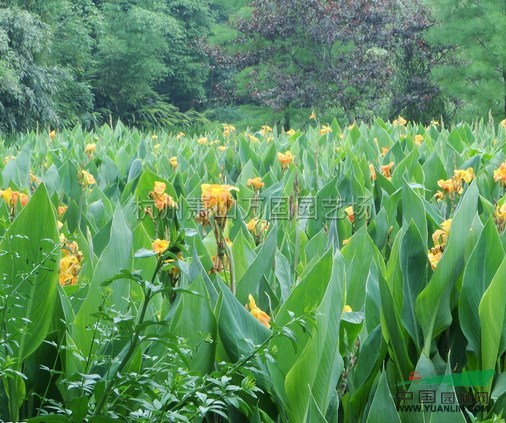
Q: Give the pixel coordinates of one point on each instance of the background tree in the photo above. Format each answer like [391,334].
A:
[132,44]
[475,33]
[413,93]
[29,82]
[186,60]
[304,53]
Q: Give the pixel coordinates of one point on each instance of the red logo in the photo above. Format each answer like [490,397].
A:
[414,376]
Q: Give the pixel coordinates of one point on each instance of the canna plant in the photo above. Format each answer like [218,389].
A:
[324,274]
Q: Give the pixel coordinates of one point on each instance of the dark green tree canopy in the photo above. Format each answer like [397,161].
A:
[476,34]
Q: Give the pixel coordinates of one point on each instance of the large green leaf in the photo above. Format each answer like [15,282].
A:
[433,304]
[480,269]
[492,311]
[29,260]
[117,255]
[250,282]
[413,259]
[383,406]
[194,320]
[316,371]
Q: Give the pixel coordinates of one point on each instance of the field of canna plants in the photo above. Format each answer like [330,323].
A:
[327,275]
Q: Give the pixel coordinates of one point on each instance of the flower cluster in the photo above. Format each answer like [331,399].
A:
[400,121]
[439,237]
[372,171]
[265,130]
[70,262]
[257,226]
[256,183]
[257,313]
[325,129]
[500,174]
[90,149]
[87,178]
[290,132]
[217,198]
[350,213]
[11,197]
[228,129]
[285,159]
[161,199]
[453,186]
[160,245]
[500,217]
[386,170]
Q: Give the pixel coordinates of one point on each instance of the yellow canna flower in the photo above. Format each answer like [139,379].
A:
[159,187]
[255,183]
[386,170]
[162,199]
[251,226]
[265,130]
[350,214]
[69,270]
[434,257]
[446,225]
[255,224]
[180,135]
[500,174]
[325,129]
[465,175]
[52,134]
[88,178]
[222,148]
[160,245]
[34,178]
[347,309]
[503,123]
[228,129]
[285,159]
[218,198]
[258,314]
[90,148]
[173,162]
[154,137]
[62,210]
[450,186]
[418,139]
[70,262]
[500,214]
[384,151]
[439,195]
[290,132]
[11,197]
[372,171]
[440,238]
[6,195]
[400,121]
[202,140]
[312,116]
[252,138]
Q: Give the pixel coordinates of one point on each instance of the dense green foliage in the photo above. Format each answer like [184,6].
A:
[475,33]
[374,255]
[148,63]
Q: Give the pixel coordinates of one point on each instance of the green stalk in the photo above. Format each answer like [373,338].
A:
[130,348]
